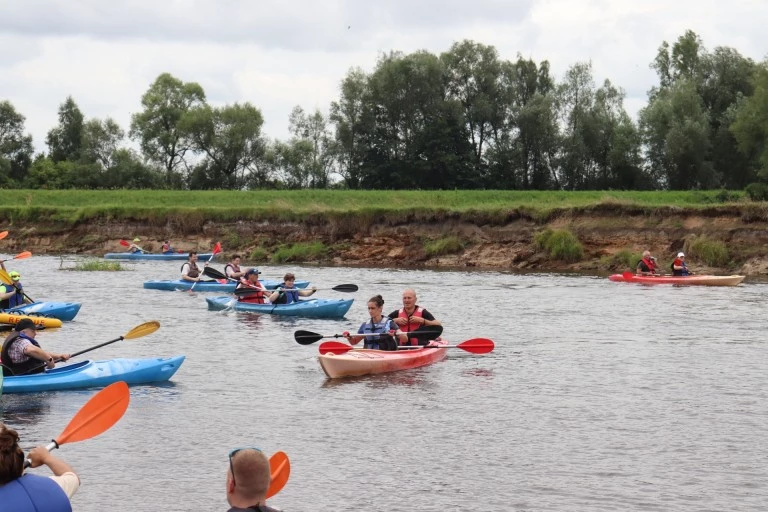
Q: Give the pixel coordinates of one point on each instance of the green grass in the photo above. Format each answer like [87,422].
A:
[441,246]
[623,258]
[560,244]
[98,265]
[300,252]
[712,252]
[258,255]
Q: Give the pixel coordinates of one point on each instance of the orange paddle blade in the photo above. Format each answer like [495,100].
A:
[3,234]
[142,330]
[22,255]
[280,469]
[103,410]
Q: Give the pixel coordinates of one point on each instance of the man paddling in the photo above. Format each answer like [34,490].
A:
[134,248]
[12,296]
[248,480]
[251,280]
[419,323]
[647,265]
[21,353]
[287,293]
[232,269]
[190,271]
[20,492]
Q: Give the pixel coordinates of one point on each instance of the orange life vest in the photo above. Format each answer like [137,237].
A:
[409,326]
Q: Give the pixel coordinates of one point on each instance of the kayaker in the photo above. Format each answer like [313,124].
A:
[12,295]
[166,248]
[248,479]
[251,280]
[646,266]
[379,324]
[133,248]
[232,269]
[22,354]
[679,268]
[286,292]
[20,492]
[419,323]
[189,270]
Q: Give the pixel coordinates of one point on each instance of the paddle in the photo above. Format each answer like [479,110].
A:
[474,345]
[280,470]
[20,256]
[136,332]
[98,415]
[3,234]
[5,277]
[340,288]
[216,250]
[215,274]
[309,337]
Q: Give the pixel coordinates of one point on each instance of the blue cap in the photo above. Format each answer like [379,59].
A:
[252,271]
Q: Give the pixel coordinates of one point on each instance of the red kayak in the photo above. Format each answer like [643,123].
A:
[629,277]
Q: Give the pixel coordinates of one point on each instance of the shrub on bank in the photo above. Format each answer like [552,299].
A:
[757,191]
[712,252]
[300,252]
[441,246]
[560,244]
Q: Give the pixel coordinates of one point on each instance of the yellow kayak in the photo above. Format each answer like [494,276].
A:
[40,321]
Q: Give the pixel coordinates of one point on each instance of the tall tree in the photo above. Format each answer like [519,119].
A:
[15,147]
[750,123]
[352,116]
[313,128]
[65,140]
[100,141]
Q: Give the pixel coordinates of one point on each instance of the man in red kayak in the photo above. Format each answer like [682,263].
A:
[248,480]
[251,280]
[21,353]
[647,265]
[419,323]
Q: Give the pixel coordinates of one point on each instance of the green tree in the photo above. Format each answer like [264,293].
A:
[158,126]
[352,116]
[127,170]
[313,128]
[750,123]
[65,140]
[100,141]
[15,147]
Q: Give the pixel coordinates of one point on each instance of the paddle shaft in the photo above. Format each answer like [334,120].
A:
[206,265]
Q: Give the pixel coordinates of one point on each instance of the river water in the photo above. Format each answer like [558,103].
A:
[599,396]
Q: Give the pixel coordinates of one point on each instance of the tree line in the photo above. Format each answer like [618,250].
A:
[463,119]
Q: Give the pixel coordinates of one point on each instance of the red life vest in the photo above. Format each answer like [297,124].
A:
[650,264]
[409,326]
[254,298]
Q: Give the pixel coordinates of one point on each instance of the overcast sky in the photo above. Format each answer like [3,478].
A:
[277,55]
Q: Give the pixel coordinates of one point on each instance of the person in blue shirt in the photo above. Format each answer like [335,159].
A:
[286,292]
[379,324]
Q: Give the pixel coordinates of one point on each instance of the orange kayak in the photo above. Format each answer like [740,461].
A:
[359,362]
[702,280]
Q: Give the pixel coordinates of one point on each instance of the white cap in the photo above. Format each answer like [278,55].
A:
[680,255]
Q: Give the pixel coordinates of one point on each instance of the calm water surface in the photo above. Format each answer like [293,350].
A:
[599,396]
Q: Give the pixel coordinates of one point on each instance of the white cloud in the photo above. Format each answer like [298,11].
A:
[280,54]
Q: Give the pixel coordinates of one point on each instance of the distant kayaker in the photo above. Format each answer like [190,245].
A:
[647,265]
[189,270]
[679,268]
[166,248]
[20,492]
[232,269]
[419,323]
[379,324]
[12,296]
[251,280]
[286,292]
[133,248]
[248,480]
[21,353]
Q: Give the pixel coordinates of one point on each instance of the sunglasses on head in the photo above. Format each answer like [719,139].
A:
[232,453]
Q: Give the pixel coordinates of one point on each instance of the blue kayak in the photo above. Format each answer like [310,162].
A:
[210,286]
[203,256]
[64,311]
[314,308]
[88,374]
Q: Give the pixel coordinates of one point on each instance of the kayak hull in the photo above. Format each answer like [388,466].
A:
[311,308]
[40,321]
[359,362]
[696,280]
[210,286]
[87,374]
[64,311]
[158,257]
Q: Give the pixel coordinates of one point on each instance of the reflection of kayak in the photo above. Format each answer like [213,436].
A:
[13,319]
[146,256]
[687,280]
[88,374]
[210,286]
[366,362]
[315,308]
[65,311]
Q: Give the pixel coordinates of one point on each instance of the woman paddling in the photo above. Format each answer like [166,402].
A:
[379,324]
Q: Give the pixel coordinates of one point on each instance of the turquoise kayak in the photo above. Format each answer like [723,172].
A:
[64,311]
[89,374]
[314,308]
[204,256]
[210,286]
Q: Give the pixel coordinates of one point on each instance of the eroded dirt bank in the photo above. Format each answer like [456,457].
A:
[502,246]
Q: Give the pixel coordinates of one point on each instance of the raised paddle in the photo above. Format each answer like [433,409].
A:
[137,332]
[474,345]
[280,470]
[216,250]
[339,288]
[309,337]
[20,256]
[5,277]
[98,415]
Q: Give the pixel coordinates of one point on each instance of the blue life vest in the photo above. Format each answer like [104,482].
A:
[32,493]
[16,300]
[373,342]
[287,296]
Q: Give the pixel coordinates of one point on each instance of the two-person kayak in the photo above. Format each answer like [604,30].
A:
[699,280]
[210,286]
[88,374]
[312,308]
[358,362]
[65,311]
[205,256]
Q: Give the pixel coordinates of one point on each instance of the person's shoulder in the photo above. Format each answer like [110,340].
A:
[394,314]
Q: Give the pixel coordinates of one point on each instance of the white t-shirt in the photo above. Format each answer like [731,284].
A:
[69,482]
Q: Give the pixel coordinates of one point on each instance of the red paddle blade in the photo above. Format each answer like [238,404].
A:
[103,410]
[124,243]
[22,255]
[280,470]
[334,347]
[3,234]
[217,248]
[477,345]
[627,276]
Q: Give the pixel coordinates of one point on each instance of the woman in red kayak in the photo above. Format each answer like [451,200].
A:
[647,265]
[379,324]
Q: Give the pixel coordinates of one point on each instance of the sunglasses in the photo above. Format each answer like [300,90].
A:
[232,453]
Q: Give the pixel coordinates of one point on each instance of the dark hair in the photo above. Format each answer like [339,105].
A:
[11,455]
[289,277]
[235,256]
[378,300]
[192,253]
[24,323]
